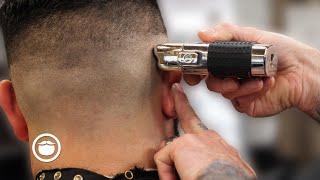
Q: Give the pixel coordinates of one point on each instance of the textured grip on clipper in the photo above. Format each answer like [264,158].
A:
[230,59]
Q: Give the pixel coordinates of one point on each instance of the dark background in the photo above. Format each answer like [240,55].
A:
[14,160]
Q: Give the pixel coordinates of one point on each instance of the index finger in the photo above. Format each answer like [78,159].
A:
[165,163]
[229,32]
[190,122]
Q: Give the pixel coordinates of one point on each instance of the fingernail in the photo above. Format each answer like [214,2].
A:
[230,85]
[208,31]
[256,85]
[177,87]
[269,83]
[233,87]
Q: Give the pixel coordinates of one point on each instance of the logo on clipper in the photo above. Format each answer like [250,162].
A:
[46,147]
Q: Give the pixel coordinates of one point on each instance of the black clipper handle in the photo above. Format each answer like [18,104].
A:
[230,59]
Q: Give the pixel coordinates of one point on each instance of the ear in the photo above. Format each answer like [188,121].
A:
[168,79]
[10,106]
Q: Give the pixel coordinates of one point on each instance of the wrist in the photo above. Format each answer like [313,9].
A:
[309,100]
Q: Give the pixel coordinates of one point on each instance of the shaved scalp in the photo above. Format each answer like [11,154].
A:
[77,59]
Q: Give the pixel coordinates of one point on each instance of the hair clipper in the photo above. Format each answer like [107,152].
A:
[221,59]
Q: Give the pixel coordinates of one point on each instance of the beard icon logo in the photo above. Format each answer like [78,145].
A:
[46,147]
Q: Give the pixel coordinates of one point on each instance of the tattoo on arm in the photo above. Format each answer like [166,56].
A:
[224,170]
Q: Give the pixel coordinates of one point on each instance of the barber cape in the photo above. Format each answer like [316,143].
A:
[82,174]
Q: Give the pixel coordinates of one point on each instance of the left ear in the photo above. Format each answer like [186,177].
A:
[9,104]
[168,79]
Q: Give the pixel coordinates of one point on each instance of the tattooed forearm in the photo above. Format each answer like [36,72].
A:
[223,170]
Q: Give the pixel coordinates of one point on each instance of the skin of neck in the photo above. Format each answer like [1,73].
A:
[109,146]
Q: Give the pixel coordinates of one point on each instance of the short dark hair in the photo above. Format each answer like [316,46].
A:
[16,15]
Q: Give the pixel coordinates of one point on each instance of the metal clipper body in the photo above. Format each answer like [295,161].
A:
[221,59]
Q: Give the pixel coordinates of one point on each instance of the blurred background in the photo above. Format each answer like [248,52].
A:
[286,146]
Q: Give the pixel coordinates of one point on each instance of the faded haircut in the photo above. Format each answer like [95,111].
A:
[82,54]
[16,15]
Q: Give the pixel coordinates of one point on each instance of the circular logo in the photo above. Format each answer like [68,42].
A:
[46,147]
[188,58]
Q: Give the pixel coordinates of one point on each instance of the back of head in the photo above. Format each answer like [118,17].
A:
[84,71]
[84,61]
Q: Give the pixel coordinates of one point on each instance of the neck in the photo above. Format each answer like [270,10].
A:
[114,148]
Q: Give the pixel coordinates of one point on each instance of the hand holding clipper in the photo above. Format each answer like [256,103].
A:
[221,59]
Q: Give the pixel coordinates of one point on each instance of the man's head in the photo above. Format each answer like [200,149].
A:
[84,66]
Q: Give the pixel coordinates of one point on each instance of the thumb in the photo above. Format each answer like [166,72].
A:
[230,32]
[188,119]
[165,164]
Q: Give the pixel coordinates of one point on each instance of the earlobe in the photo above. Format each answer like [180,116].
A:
[168,79]
[10,106]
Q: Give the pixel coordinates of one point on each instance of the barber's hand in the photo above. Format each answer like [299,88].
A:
[200,153]
[297,82]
